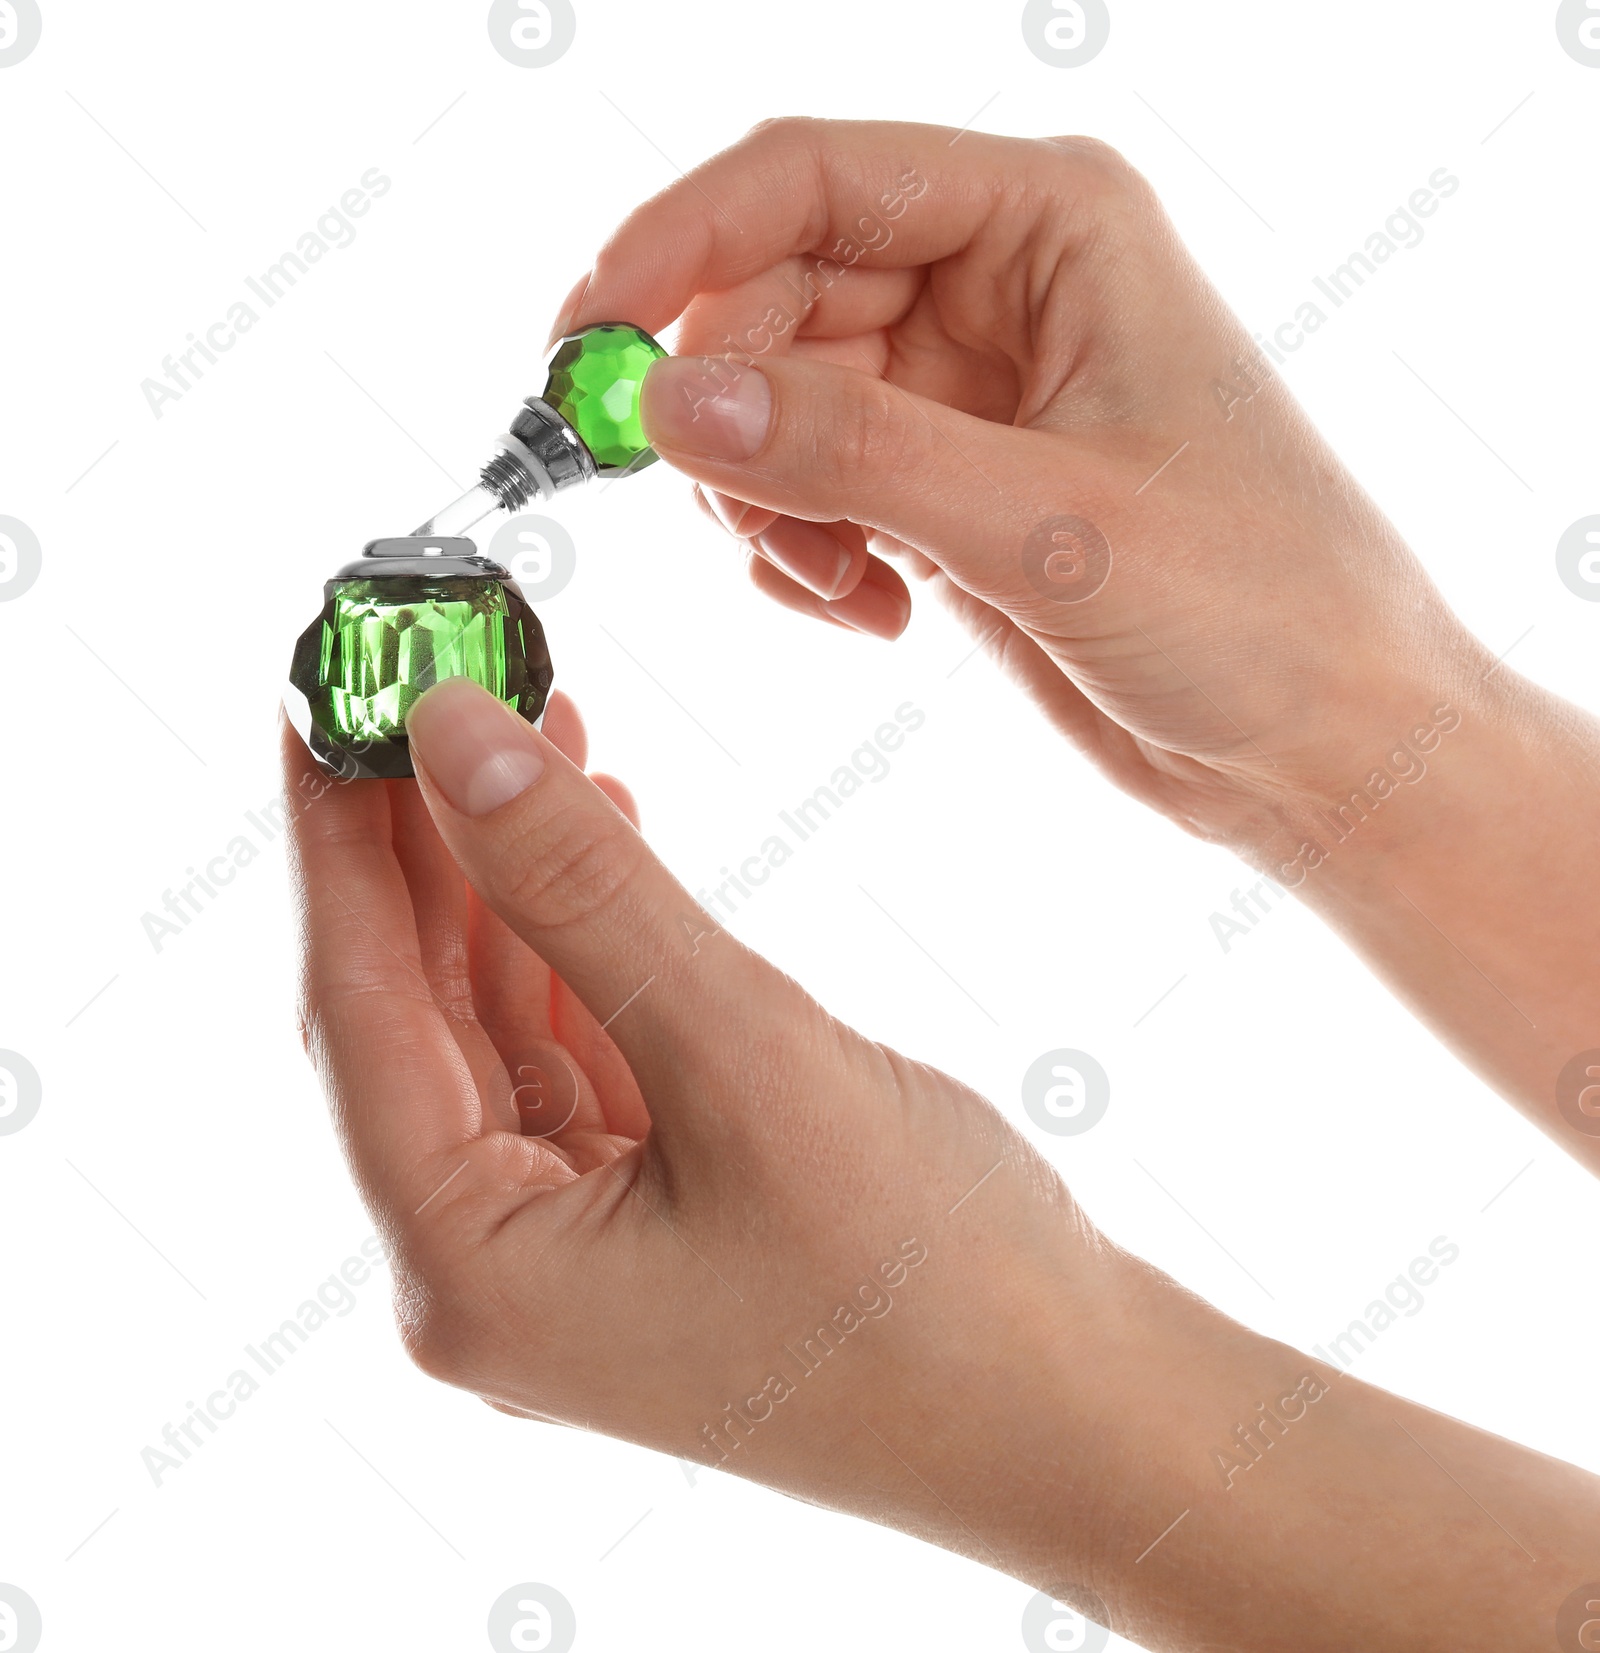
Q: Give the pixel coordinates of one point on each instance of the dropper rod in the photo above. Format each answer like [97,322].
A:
[467,512]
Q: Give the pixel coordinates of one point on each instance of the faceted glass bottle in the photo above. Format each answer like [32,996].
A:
[404,616]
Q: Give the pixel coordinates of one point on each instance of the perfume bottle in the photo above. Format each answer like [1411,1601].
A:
[412,611]
[401,617]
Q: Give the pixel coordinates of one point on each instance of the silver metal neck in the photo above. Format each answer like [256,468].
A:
[539,456]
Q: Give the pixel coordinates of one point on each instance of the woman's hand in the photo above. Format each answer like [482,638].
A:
[990,361]
[632,1178]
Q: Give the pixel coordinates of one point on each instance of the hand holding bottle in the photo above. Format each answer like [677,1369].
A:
[991,363]
[632,1178]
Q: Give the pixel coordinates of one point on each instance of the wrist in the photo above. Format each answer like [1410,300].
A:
[1113,1394]
[1471,762]
[1395,756]
[1235,1491]
[1467,888]
[1175,1380]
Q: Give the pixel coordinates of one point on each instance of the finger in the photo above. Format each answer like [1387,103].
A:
[510,982]
[438,899]
[589,1150]
[621,1104]
[548,852]
[880,606]
[439,907]
[553,1096]
[511,989]
[737,516]
[551,1048]
[887,322]
[883,195]
[827,558]
[801,298]
[620,796]
[811,439]
[401,1093]
[622,1109]
[564,727]
[855,303]
[511,985]
[900,555]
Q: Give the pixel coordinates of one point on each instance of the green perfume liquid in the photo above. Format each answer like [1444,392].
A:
[383,640]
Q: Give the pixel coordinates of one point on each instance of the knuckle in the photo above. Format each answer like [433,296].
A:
[440,1332]
[873,434]
[310,1028]
[310,1014]
[783,128]
[338,1018]
[1100,166]
[437,1343]
[573,868]
[1092,154]
[460,1338]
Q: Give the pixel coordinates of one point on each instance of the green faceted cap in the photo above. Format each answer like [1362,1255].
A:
[595,380]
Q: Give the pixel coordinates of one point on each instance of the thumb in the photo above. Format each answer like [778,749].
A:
[565,870]
[812,439]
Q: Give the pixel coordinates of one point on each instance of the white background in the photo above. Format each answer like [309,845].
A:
[1316,1138]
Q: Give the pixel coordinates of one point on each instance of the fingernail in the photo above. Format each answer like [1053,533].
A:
[569,307]
[808,554]
[730,512]
[871,609]
[706,405]
[479,753]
